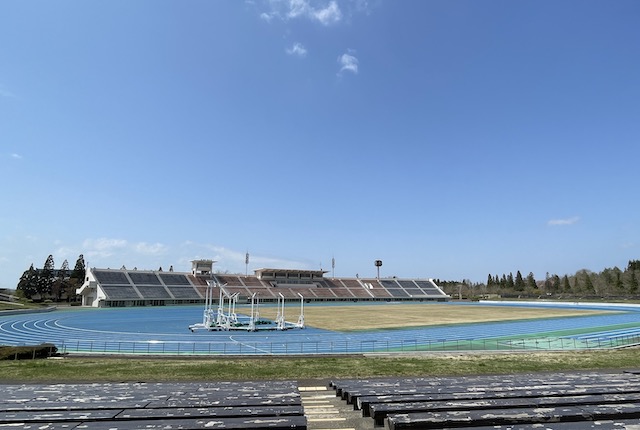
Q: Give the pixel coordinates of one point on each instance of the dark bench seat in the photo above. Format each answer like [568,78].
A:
[127,406]
[516,416]
[497,401]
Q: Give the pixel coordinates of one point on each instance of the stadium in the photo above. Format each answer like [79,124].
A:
[148,314]
[143,312]
[117,288]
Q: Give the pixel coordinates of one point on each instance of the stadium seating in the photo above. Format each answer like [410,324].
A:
[567,400]
[139,288]
[228,405]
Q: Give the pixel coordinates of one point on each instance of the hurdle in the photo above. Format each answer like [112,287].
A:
[226,320]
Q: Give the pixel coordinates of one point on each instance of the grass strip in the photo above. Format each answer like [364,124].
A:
[103,369]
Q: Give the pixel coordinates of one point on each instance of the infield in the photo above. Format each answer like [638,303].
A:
[348,318]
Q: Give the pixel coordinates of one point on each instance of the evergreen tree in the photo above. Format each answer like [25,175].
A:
[555,284]
[28,283]
[531,282]
[633,282]
[633,265]
[617,282]
[79,271]
[489,281]
[47,277]
[519,283]
[510,283]
[588,283]
[76,279]
[566,286]
[61,283]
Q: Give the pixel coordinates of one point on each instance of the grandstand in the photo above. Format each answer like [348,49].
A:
[118,288]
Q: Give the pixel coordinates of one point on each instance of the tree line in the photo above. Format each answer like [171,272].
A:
[608,283]
[50,283]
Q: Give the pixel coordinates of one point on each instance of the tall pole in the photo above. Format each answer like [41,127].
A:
[378,263]
[246,264]
[333,267]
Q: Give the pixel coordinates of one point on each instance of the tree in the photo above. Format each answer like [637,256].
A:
[61,283]
[566,285]
[76,279]
[617,283]
[554,284]
[28,283]
[588,283]
[519,283]
[632,284]
[47,277]
[531,282]
[633,265]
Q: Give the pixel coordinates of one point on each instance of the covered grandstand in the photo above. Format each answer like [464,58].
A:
[122,287]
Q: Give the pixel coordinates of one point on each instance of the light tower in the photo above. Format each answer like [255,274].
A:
[378,263]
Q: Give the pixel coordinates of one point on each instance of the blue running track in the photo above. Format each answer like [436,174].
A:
[164,330]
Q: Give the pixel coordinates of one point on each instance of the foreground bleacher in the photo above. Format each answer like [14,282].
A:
[126,406]
[550,401]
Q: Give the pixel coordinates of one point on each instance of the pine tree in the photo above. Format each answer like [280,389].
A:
[77,276]
[28,283]
[47,276]
[554,284]
[531,282]
[566,285]
[588,283]
[510,283]
[633,282]
[61,284]
[79,270]
[617,283]
[519,283]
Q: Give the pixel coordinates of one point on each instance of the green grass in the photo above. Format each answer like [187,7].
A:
[102,369]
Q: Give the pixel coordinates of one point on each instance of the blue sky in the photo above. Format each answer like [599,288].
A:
[450,139]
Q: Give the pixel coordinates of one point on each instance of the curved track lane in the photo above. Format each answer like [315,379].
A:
[163,330]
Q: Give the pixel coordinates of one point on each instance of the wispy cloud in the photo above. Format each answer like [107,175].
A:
[565,221]
[16,156]
[322,12]
[328,15]
[149,248]
[297,50]
[348,63]
[233,261]
[103,247]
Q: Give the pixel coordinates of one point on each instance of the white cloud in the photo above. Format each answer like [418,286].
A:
[16,156]
[232,261]
[566,221]
[103,247]
[320,11]
[297,49]
[329,15]
[266,16]
[150,248]
[348,63]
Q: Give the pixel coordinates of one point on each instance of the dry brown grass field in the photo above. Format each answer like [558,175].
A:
[388,316]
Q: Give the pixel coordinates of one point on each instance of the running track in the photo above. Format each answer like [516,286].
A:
[164,330]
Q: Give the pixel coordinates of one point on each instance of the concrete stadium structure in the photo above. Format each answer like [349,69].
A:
[119,288]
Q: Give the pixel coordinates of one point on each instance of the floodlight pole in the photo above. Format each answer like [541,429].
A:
[333,268]
[378,263]
[246,264]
